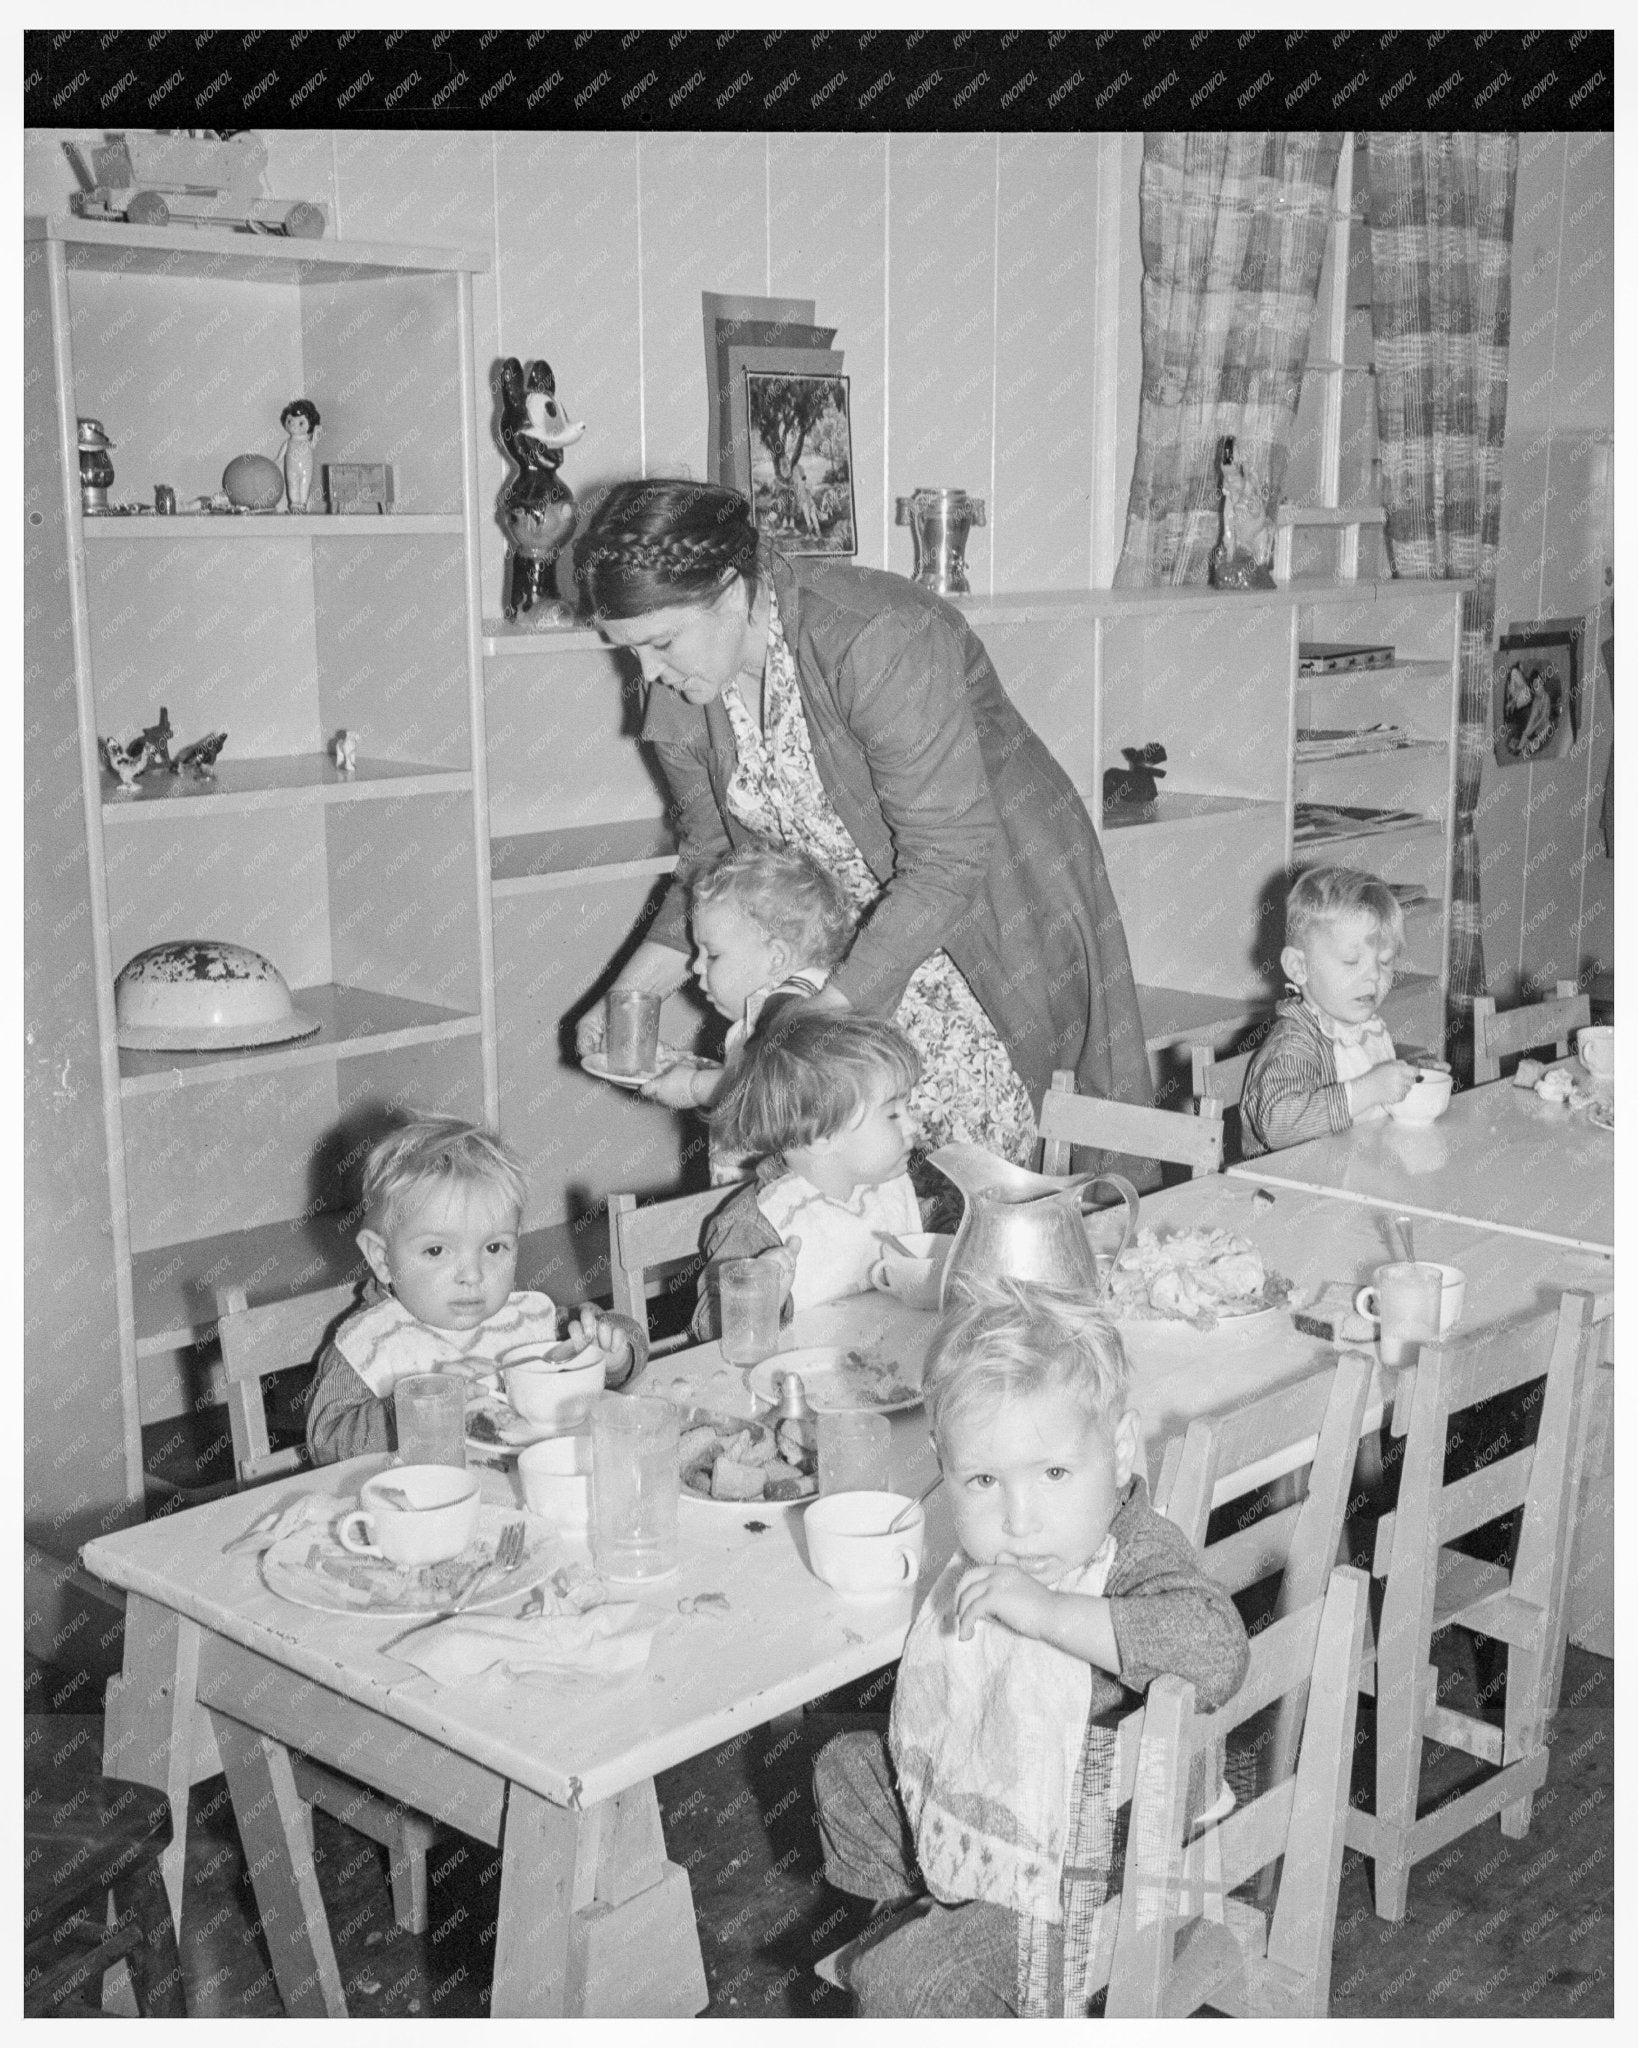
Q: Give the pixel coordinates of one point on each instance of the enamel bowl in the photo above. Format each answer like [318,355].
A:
[1428,1100]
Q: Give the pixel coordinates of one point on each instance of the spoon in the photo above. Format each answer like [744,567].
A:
[1403,1225]
[910,1507]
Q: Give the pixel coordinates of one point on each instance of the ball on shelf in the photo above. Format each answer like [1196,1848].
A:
[253,483]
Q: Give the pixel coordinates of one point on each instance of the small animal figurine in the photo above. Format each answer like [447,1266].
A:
[1241,558]
[345,749]
[537,507]
[200,758]
[159,738]
[1138,782]
[126,762]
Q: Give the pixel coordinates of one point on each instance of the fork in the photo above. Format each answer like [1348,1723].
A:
[509,1549]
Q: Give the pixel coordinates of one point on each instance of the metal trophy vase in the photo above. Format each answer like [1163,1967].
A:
[939,521]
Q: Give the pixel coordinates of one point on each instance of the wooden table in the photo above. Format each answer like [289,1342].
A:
[1499,1156]
[220,1674]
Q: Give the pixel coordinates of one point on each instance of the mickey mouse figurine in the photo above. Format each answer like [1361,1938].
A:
[537,506]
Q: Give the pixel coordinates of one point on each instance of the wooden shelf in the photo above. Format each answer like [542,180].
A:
[275,781]
[1175,1016]
[212,252]
[1182,808]
[352,1021]
[523,862]
[501,636]
[109,529]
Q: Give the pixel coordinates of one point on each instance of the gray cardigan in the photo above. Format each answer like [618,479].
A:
[977,835]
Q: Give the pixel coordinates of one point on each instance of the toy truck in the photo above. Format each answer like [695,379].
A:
[151,180]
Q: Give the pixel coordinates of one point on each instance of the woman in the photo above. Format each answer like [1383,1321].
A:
[855,715]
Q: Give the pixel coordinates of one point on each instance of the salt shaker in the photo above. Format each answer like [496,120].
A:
[795,1429]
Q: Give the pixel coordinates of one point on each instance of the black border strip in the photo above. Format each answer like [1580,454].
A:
[820,80]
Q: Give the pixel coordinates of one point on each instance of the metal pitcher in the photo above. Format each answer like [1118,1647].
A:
[1026,1226]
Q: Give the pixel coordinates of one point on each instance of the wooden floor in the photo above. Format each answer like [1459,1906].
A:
[1494,1927]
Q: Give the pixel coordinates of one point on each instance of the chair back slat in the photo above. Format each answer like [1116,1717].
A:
[654,1234]
[1499,1034]
[1219,1081]
[1253,1553]
[1244,1842]
[1468,1503]
[1281,1657]
[1069,1119]
[256,1342]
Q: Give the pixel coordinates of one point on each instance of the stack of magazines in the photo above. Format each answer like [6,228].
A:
[1346,821]
[1329,743]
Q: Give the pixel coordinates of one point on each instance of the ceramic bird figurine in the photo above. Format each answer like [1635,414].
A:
[126,762]
[158,736]
[201,756]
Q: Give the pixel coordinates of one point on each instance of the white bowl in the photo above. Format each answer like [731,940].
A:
[915,1280]
[204,995]
[556,1393]
[556,1479]
[1428,1100]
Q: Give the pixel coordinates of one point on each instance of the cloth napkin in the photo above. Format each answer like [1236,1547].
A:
[577,1633]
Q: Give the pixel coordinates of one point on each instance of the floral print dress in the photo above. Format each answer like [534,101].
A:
[969,1089]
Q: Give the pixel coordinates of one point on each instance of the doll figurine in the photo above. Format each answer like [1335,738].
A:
[537,506]
[300,421]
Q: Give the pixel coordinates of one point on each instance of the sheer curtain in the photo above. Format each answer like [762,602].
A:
[1234,230]
[1441,212]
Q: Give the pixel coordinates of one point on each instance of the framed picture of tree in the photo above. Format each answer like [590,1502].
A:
[790,447]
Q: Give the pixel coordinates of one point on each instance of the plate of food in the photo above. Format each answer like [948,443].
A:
[1602,1114]
[311,1569]
[736,1462]
[841,1379]
[668,1056]
[1205,1278]
[496,1431]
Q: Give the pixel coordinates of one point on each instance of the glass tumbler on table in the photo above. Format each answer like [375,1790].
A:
[635,1486]
[854,1452]
[748,1292]
[430,1411]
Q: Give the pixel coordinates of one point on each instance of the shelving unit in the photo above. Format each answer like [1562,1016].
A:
[369,891]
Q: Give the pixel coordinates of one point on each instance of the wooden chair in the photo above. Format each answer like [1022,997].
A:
[90,1842]
[1227,1460]
[1219,1082]
[257,1342]
[652,1235]
[1182,1939]
[1432,1587]
[1068,1119]
[1498,1035]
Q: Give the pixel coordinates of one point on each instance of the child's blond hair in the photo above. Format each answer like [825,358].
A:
[1321,895]
[806,1076]
[787,895]
[1001,1339]
[438,1152]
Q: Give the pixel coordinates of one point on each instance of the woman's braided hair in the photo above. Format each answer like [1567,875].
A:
[659,541]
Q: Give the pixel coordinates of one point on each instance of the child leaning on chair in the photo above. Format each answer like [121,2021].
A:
[1328,1061]
[443,1203]
[987,1805]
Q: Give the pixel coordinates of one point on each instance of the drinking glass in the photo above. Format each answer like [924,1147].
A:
[634,1486]
[748,1293]
[853,1453]
[430,1409]
[631,1039]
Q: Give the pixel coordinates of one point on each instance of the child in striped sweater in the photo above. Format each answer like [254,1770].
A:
[1328,1061]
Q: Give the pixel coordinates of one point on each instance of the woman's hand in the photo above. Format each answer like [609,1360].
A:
[653,970]
[1007,1595]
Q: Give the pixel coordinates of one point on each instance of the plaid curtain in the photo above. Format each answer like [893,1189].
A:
[1441,211]
[1234,230]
